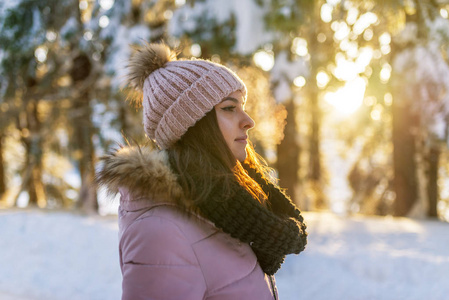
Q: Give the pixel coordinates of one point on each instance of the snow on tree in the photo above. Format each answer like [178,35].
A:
[284,73]
[420,85]
[113,28]
[426,72]
[247,17]
[31,70]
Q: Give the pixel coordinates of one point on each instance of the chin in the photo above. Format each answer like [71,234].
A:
[241,157]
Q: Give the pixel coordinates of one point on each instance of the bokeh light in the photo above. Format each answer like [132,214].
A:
[264,60]
[349,98]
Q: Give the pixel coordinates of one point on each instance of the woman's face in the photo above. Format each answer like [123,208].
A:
[234,123]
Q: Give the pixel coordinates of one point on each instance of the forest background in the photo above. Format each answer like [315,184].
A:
[350,98]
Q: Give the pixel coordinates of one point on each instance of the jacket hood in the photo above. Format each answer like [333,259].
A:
[142,171]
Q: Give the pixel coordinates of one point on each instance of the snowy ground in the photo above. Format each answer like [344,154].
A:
[56,255]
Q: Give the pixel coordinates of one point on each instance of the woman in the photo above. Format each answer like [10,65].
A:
[199,218]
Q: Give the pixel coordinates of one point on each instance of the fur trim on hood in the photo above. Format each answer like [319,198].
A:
[143,171]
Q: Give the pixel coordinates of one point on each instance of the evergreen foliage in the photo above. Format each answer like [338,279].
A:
[62,99]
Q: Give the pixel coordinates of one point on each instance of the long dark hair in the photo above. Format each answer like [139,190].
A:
[204,163]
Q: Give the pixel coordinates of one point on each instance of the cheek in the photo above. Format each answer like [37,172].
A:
[226,130]
[225,126]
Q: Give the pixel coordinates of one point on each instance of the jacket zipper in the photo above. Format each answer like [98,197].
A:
[273,287]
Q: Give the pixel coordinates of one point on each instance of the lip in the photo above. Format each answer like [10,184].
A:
[242,139]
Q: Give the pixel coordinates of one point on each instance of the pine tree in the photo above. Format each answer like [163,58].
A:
[22,32]
[420,108]
[35,62]
[406,183]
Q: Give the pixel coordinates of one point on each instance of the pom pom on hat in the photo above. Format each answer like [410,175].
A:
[145,60]
[177,93]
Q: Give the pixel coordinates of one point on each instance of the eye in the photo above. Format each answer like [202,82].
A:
[229,108]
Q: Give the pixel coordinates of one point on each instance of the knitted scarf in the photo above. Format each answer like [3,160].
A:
[272,232]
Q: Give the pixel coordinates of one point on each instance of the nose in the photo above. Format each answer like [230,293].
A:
[247,121]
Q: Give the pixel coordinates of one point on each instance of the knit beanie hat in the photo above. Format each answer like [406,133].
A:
[177,93]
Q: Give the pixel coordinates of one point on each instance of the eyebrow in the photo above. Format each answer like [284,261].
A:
[232,99]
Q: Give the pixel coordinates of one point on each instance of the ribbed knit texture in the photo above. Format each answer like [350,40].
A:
[272,233]
[180,93]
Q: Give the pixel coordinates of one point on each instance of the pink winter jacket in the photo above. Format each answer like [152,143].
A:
[166,253]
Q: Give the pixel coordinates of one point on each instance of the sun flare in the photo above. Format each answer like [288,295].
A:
[349,98]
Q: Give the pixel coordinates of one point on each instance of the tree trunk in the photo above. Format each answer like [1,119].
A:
[288,155]
[405,175]
[314,174]
[85,151]
[432,158]
[83,132]
[36,153]
[2,169]
[30,126]
[28,178]
[314,138]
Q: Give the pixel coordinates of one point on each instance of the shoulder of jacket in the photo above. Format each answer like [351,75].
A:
[156,240]
[166,221]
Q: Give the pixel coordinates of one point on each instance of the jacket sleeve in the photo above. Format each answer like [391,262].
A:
[158,262]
